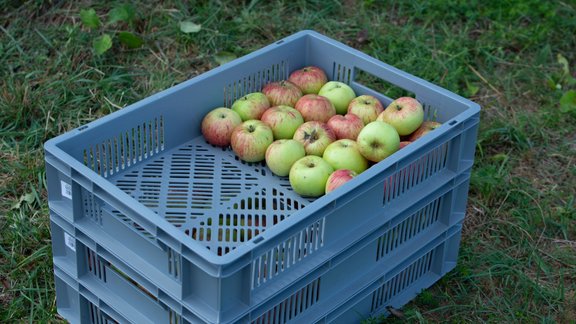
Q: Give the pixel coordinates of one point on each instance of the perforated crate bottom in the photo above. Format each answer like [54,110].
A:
[211,195]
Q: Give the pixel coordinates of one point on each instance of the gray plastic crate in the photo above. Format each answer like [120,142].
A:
[208,238]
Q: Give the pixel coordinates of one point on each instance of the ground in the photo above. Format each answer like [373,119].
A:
[517,59]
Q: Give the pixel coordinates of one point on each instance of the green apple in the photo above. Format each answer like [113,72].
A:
[405,114]
[283,120]
[308,176]
[250,140]
[340,94]
[344,154]
[366,107]
[251,106]
[378,140]
[281,155]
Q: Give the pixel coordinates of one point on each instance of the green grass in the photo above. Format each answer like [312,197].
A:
[518,256]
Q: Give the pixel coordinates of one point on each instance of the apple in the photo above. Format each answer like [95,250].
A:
[315,136]
[282,154]
[250,140]
[344,154]
[283,121]
[378,140]
[309,79]
[405,114]
[366,107]
[218,124]
[347,126]
[338,178]
[251,106]
[315,108]
[424,129]
[308,176]
[340,94]
[282,93]
[403,144]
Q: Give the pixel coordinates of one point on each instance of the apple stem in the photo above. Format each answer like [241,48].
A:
[398,107]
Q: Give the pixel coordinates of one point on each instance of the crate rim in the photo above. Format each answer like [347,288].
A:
[248,248]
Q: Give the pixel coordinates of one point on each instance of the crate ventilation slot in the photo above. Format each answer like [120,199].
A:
[401,281]
[97,316]
[341,73]
[255,81]
[415,173]
[96,265]
[208,195]
[408,228]
[92,206]
[128,148]
[289,309]
[288,253]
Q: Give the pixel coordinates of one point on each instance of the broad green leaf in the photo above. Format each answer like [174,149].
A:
[224,57]
[102,44]
[564,62]
[89,18]
[123,12]
[130,40]
[568,101]
[189,27]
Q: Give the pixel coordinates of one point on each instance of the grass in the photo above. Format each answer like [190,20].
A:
[517,260]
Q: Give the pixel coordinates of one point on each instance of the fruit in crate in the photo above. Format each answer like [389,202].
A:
[405,114]
[347,126]
[308,176]
[315,108]
[282,93]
[424,129]
[283,120]
[315,136]
[344,154]
[403,144]
[338,178]
[282,154]
[309,79]
[251,106]
[250,140]
[366,107]
[340,94]
[218,125]
[378,140]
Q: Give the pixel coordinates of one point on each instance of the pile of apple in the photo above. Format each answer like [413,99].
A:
[316,132]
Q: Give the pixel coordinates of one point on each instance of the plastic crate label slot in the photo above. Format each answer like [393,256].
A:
[286,254]
[294,305]
[401,281]
[402,181]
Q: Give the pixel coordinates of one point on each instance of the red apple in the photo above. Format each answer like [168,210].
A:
[282,93]
[424,129]
[347,126]
[218,124]
[405,114]
[309,79]
[338,178]
[250,140]
[283,121]
[315,136]
[404,143]
[315,108]
[366,107]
